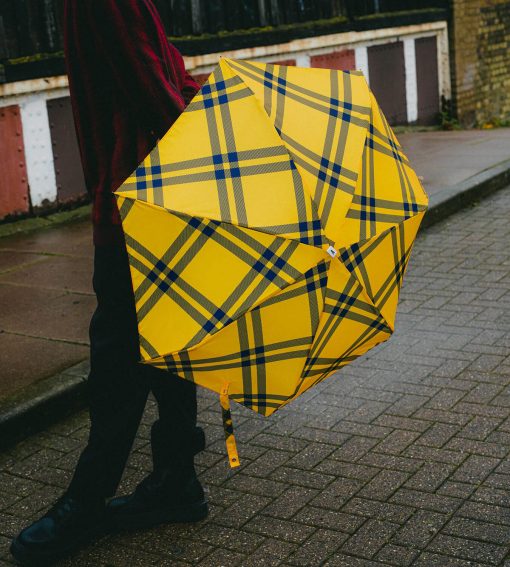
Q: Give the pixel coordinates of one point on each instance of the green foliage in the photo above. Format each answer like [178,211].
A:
[301,26]
[496,122]
[447,119]
[400,13]
[34,58]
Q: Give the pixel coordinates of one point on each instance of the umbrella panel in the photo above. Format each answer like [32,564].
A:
[322,117]
[192,277]
[262,354]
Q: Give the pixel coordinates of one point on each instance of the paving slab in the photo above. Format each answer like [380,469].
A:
[53,273]
[46,301]
[12,259]
[30,356]
[45,313]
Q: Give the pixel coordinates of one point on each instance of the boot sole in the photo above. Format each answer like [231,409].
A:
[187,515]
[29,558]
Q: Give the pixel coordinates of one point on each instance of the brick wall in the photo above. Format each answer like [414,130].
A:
[481,60]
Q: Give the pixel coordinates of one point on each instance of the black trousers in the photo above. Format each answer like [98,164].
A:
[118,387]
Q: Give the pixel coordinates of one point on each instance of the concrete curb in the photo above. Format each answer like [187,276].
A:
[48,401]
[456,197]
[22,226]
[42,404]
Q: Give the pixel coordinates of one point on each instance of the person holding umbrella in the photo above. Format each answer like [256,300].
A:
[128,85]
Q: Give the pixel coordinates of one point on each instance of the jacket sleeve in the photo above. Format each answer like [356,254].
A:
[189,86]
[190,89]
[127,33]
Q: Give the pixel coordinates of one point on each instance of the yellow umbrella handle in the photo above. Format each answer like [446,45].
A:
[228,427]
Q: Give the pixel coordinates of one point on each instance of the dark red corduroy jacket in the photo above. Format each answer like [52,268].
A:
[128,85]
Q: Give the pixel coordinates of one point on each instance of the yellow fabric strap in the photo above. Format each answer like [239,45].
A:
[228,427]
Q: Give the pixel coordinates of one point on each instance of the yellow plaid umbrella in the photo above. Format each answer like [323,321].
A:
[268,233]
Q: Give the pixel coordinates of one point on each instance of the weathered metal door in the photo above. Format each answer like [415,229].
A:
[13,173]
[427,80]
[68,168]
[386,67]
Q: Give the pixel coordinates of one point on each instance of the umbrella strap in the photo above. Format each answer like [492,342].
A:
[228,427]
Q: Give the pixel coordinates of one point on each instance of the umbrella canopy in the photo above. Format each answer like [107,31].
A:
[268,232]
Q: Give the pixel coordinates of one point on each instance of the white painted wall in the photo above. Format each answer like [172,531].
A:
[361,59]
[411,81]
[38,150]
[303,49]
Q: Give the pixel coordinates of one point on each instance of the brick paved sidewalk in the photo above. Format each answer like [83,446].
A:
[400,460]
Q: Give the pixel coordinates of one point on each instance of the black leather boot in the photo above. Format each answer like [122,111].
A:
[163,497]
[67,525]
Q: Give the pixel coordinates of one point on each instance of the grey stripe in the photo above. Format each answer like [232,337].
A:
[244,343]
[258,337]
[326,152]
[207,161]
[211,365]
[148,348]
[186,366]
[174,248]
[126,207]
[385,204]
[342,140]
[382,217]
[231,147]
[280,99]
[268,94]
[216,149]
[260,169]
[157,191]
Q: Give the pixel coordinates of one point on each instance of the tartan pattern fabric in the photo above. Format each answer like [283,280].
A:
[269,253]
[168,279]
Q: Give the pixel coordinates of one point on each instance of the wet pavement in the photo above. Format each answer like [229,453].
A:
[444,159]
[46,300]
[401,459]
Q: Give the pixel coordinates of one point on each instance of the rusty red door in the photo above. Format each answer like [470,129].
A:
[13,176]
[341,60]
[288,62]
